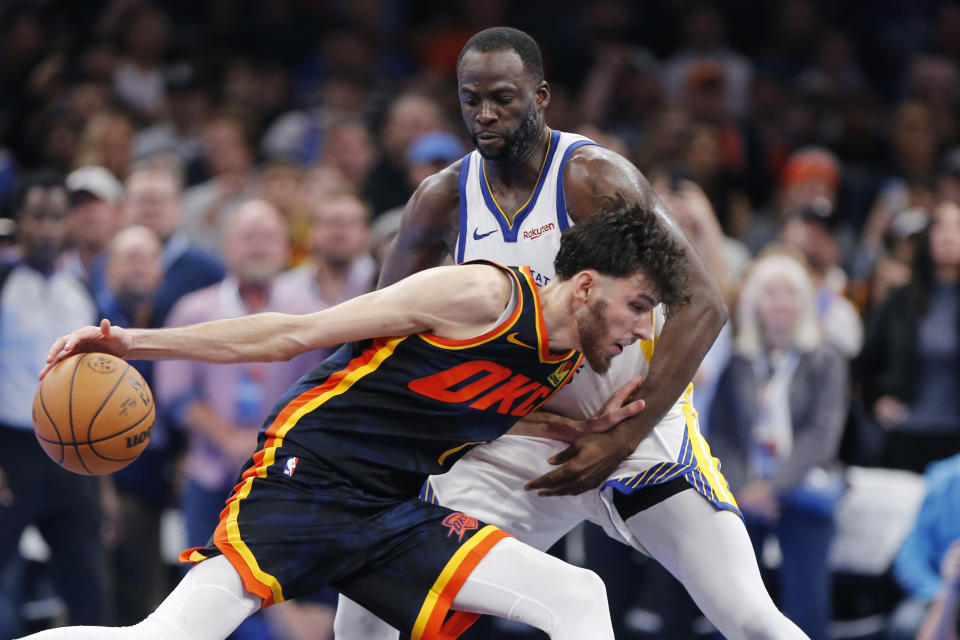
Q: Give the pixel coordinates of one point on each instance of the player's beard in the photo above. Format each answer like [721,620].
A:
[516,144]
[592,327]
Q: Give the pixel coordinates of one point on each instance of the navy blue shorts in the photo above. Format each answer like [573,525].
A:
[289,532]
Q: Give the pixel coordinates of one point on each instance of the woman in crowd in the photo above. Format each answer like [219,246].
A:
[909,368]
[776,423]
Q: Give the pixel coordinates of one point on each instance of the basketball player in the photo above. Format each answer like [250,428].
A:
[439,362]
[509,200]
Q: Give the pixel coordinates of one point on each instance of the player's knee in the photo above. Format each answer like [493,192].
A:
[581,591]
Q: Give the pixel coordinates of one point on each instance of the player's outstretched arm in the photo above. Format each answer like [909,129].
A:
[594,179]
[453,302]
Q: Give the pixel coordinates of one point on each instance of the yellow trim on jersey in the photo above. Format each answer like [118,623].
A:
[449,452]
[483,172]
[231,527]
[348,381]
[433,596]
[706,463]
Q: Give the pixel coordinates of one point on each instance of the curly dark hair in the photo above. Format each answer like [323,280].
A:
[622,241]
[501,38]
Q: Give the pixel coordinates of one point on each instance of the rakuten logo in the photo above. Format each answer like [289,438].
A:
[533,234]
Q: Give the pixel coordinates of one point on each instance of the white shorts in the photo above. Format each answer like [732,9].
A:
[487,483]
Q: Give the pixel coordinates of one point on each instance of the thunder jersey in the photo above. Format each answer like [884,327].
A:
[384,413]
[534,239]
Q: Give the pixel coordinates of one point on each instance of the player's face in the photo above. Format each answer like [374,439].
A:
[620,314]
[502,104]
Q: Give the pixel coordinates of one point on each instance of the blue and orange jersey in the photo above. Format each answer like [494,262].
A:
[385,413]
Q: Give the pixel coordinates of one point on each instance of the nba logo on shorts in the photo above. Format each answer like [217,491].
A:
[459,524]
[290,466]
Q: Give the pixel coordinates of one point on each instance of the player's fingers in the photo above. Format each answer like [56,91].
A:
[56,348]
[621,395]
[617,416]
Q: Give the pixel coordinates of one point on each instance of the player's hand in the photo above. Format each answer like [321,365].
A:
[584,465]
[105,339]
[550,425]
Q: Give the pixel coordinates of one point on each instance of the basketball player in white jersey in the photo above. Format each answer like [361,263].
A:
[650,481]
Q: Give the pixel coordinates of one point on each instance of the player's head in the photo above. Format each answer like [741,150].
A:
[621,263]
[502,92]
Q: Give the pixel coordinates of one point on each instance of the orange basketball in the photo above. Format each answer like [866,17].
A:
[93,413]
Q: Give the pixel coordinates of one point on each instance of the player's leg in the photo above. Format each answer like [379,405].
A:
[709,551]
[208,604]
[518,582]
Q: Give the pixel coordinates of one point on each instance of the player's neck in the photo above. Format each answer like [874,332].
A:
[525,170]
[559,316]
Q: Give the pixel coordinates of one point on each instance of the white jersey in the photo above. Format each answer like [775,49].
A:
[534,239]
[674,449]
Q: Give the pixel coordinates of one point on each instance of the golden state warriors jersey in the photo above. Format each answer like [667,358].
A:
[387,412]
[533,238]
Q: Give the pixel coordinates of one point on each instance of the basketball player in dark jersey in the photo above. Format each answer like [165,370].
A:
[433,365]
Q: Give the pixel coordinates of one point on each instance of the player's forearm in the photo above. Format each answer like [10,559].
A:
[264,337]
[686,337]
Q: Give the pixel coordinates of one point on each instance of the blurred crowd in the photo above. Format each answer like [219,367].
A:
[169,162]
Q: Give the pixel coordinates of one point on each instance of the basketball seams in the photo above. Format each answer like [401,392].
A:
[104,439]
[63,453]
[150,414]
[120,379]
[73,379]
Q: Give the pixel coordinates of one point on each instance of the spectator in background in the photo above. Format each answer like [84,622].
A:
[107,139]
[138,78]
[153,200]
[812,231]
[93,218]
[339,266]
[776,423]
[348,147]
[909,368]
[207,207]
[40,301]
[409,116]
[221,407]
[927,548]
[704,39]
[134,272]
[431,153]
[181,131]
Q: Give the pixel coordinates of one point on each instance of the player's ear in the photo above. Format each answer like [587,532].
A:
[584,285]
[542,95]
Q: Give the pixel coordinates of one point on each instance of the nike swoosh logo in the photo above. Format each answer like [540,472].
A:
[515,340]
[481,236]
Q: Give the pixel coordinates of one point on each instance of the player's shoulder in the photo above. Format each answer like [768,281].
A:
[437,195]
[590,158]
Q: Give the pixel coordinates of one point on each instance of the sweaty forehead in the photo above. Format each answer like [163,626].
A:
[487,67]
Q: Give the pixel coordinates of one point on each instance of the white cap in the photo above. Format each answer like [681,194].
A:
[98,182]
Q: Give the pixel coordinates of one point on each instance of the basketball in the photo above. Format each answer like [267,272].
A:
[93,413]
